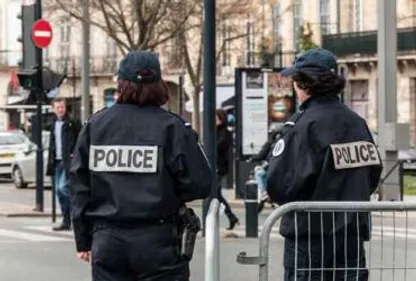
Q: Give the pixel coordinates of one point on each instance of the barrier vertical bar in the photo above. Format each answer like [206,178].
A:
[212,242]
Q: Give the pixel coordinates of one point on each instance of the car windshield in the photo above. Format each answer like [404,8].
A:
[11,139]
[22,137]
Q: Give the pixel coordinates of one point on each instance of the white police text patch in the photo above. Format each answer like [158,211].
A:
[123,158]
[279,148]
[355,155]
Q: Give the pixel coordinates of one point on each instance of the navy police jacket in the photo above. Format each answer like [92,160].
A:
[134,164]
[327,154]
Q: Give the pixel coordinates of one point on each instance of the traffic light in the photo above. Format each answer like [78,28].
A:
[28,79]
[27,16]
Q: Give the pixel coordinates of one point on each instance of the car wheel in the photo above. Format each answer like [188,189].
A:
[18,178]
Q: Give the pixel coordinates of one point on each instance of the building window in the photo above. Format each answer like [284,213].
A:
[111,48]
[111,54]
[175,57]
[359,97]
[250,53]
[324,14]
[297,22]
[358,15]
[64,33]
[225,44]
[65,29]
[277,24]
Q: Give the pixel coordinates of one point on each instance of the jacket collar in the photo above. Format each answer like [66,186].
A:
[65,119]
[317,100]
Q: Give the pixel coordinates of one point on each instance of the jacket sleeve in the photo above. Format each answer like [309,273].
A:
[375,173]
[224,140]
[75,131]
[188,165]
[265,149]
[81,191]
[293,167]
[49,166]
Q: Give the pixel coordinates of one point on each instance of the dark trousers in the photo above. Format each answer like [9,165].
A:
[228,212]
[342,257]
[147,253]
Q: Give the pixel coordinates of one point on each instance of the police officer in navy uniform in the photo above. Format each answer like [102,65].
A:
[327,154]
[134,165]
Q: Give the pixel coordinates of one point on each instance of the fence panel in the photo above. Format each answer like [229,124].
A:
[322,254]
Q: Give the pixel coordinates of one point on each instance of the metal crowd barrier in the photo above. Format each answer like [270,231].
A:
[212,242]
[384,260]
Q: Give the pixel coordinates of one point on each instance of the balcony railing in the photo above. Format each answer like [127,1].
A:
[365,43]
[99,66]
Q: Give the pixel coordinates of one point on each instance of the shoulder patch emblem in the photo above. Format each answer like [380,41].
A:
[279,148]
[355,155]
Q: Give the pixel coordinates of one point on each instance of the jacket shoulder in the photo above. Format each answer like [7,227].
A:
[178,120]
[94,115]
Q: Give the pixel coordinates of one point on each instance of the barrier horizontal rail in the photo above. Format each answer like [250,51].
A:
[347,208]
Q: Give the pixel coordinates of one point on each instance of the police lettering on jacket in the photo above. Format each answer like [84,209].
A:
[123,158]
[354,155]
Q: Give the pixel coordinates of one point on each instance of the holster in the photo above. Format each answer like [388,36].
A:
[189,225]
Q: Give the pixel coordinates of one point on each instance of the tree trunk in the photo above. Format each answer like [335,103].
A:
[196,116]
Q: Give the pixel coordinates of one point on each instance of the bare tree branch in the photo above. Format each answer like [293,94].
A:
[133,24]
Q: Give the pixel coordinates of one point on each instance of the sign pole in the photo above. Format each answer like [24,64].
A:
[39,98]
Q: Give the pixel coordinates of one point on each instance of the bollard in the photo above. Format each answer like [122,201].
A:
[251,203]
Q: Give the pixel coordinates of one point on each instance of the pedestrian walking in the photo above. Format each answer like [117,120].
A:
[63,136]
[326,153]
[224,144]
[134,167]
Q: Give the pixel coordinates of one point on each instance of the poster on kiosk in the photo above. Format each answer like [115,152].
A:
[264,101]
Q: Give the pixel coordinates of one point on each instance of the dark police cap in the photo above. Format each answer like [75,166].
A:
[315,62]
[140,66]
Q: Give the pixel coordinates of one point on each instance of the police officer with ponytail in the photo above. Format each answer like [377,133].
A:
[134,167]
[326,153]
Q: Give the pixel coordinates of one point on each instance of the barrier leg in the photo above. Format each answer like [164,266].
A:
[212,242]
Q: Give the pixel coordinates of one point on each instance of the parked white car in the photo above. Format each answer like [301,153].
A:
[13,145]
[23,169]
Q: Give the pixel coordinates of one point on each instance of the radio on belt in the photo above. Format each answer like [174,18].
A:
[122,158]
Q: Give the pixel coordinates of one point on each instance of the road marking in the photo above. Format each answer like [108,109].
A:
[392,229]
[28,236]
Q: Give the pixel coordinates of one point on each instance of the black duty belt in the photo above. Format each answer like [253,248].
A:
[132,223]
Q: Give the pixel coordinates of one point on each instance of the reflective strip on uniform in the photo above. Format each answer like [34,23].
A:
[123,158]
[290,123]
[203,152]
[355,155]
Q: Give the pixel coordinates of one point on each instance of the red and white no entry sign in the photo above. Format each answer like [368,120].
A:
[41,33]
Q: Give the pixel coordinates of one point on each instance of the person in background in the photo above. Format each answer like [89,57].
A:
[116,96]
[224,142]
[260,171]
[64,133]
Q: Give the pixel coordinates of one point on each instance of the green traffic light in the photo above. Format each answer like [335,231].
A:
[27,83]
